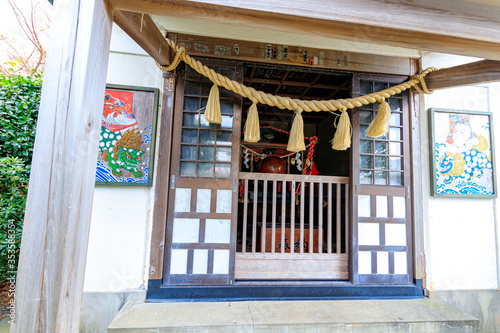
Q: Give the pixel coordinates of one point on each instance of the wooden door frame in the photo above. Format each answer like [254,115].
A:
[408,179]
[175,141]
[162,183]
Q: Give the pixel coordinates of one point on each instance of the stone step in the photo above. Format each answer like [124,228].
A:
[294,316]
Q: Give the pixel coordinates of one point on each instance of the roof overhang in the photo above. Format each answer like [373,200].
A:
[468,27]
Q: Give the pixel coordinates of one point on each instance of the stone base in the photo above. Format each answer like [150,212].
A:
[294,316]
[99,309]
[482,304]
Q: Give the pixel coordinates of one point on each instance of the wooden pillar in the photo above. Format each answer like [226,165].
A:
[57,221]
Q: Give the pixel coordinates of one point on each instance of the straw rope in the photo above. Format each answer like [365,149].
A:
[290,103]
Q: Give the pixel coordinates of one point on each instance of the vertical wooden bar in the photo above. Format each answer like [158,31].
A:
[283,215]
[320,218]
[311,217]
[302,198]
[339,218]
[254,221]
[273,230]
[56,228]
[161,188]
[292,218]
[346,207]
[264,213]
[330,231]
[245,217]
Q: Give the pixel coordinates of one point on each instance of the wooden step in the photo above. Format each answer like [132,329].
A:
[294,316]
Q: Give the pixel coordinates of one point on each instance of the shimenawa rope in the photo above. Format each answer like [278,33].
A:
[298,105]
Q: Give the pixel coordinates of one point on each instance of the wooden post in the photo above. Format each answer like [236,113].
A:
[57,221]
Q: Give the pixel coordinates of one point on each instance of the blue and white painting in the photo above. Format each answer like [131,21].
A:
[462,153]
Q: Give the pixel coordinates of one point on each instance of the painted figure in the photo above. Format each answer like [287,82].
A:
[117,115]
[465,156]
[122,152]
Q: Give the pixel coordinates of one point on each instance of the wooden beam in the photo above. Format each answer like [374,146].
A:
[295,84]
[61,189]
[463,19]
[473,73]
[142,29]
[162,181]
[293,55]
[394,23]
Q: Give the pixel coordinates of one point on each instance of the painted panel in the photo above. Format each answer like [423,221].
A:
[463,154]
[126,146]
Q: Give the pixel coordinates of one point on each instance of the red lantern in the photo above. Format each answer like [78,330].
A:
[272,164]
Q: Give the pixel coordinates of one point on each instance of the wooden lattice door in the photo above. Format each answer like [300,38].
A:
[200,240]
[382,223]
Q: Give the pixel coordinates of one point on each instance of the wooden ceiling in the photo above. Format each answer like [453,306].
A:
[456,27]
[294,82]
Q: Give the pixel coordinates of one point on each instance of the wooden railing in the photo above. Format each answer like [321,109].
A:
[293,214]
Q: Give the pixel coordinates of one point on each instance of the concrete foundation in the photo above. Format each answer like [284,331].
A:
[99,309]
[294,316]
[482,304]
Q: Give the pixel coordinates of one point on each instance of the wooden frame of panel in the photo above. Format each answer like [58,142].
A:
[432,142]
[360,189]
[203,183]
[154,130]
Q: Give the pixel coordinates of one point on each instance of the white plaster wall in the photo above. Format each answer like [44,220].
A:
[120,230]
[460,234]
[494,98]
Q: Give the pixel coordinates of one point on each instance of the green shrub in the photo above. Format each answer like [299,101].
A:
[13,191]
[19,103]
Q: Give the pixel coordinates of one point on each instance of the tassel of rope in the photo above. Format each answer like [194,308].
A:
[296,141]
[380,125]
[342,138]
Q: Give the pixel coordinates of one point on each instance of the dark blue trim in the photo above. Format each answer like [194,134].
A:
[157,293]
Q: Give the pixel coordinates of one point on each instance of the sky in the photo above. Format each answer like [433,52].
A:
[9,27]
